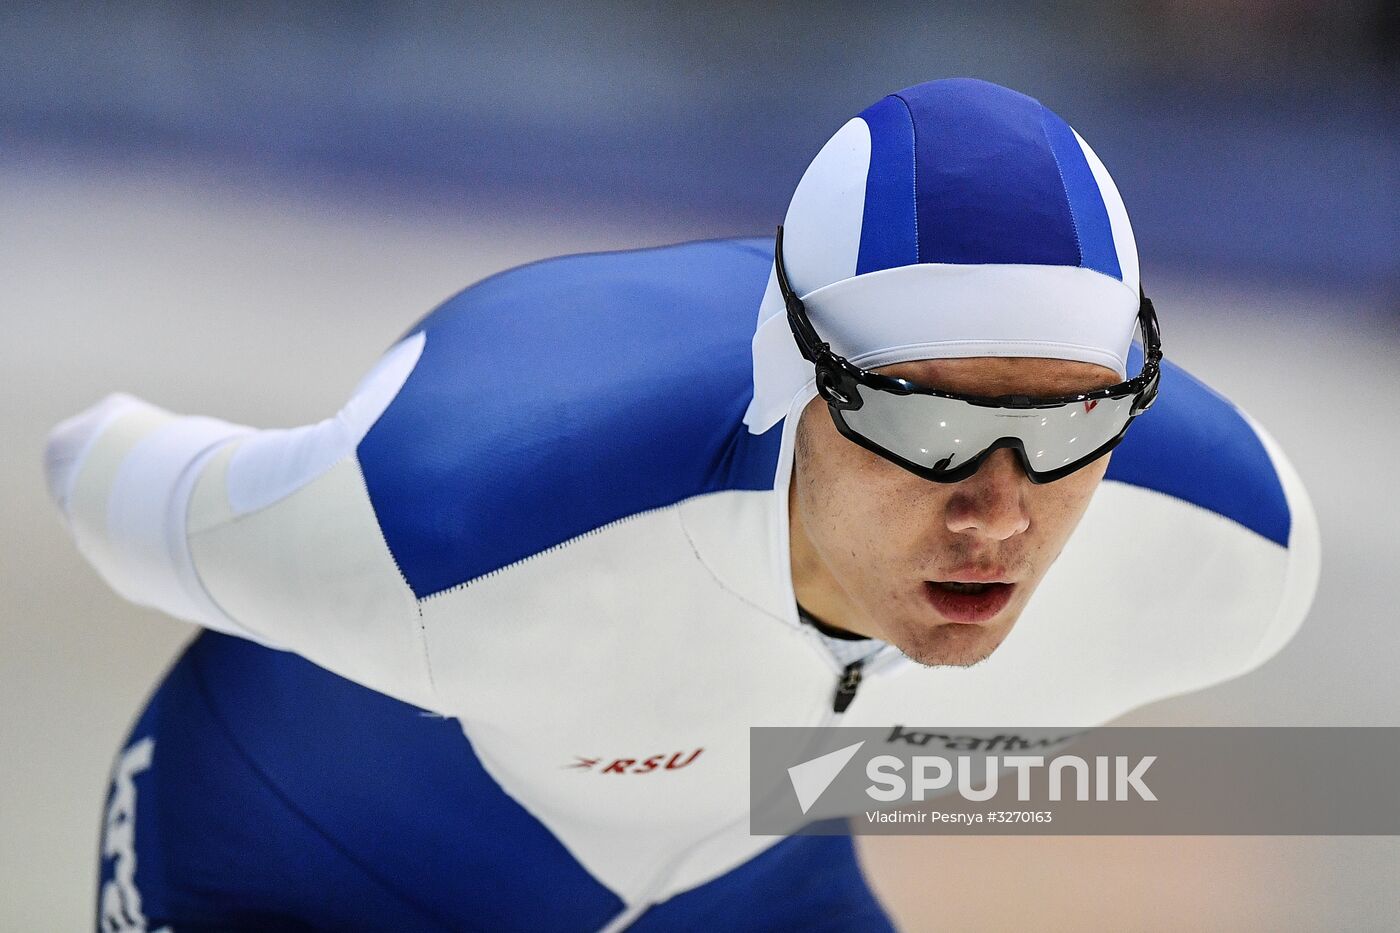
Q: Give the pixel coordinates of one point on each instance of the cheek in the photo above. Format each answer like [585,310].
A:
[1059,506]
[832,478]
[872,505]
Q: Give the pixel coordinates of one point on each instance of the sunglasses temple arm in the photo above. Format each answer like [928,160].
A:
[808,340]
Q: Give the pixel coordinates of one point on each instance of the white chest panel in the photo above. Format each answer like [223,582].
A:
[615,705]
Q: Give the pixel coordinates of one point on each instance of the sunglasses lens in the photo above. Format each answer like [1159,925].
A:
[942,434]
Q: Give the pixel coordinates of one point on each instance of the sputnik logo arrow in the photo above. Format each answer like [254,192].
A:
[811,778]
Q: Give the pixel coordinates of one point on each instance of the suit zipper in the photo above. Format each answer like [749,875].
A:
[847,686]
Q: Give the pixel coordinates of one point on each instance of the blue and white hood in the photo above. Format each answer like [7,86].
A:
[954,218]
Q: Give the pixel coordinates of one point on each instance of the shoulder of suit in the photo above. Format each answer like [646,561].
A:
[1196,447]
[557,397]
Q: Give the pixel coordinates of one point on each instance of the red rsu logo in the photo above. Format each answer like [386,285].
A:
[674,762]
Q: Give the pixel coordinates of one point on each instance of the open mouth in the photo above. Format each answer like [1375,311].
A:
[955,587]
[967,603]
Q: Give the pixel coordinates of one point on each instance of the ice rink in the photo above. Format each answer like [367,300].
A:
[263,304]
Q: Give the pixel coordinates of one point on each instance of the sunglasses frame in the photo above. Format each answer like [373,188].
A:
[839,380]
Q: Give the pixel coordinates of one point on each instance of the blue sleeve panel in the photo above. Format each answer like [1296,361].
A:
[1194,445]
[809,883]
[282,797]
[560,396]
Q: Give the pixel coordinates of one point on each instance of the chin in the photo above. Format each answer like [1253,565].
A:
[952,644]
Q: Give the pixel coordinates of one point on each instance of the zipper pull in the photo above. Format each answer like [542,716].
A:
[847,686]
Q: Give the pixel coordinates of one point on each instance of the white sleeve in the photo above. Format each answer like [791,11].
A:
[268,535]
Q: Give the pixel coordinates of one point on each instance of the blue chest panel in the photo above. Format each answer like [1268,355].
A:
[1196,446]
[557,397]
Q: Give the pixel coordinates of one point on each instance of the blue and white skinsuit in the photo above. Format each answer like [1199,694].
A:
[486,645]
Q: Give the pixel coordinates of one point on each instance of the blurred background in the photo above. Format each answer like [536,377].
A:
[231,209]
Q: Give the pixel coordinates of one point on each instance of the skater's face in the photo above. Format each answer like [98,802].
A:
[875,547]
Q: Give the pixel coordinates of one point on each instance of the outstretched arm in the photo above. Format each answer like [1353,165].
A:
[269,535]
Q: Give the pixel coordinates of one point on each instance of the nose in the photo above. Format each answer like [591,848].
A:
[991,502]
